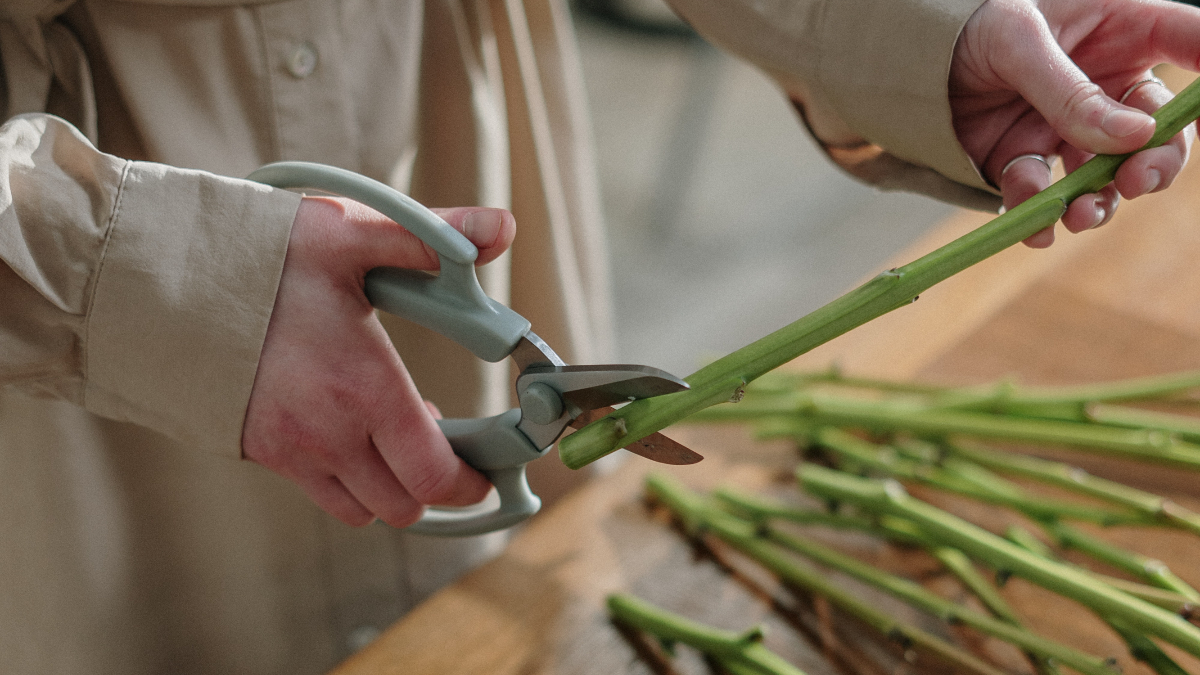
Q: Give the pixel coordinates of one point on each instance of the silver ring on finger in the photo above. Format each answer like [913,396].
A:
[1138,85]
[1045,162]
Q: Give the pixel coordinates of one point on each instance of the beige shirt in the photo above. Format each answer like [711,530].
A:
[136,294]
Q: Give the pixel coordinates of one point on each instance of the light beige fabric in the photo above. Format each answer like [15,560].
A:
[868,77]
[135,294]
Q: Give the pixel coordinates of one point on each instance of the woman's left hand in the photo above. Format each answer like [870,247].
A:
[1037,79]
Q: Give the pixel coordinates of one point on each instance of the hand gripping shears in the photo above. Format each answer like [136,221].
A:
[552,394]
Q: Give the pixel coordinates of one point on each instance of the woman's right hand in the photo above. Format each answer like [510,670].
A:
[333,408]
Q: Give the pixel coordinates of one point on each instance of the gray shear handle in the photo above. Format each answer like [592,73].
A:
[494,446]
[453,304]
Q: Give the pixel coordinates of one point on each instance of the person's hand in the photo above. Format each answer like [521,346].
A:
[1045,78]
[333,409]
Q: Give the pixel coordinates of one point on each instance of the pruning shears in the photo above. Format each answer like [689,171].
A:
[552,394]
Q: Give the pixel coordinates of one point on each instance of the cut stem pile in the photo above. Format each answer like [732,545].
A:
[867,440]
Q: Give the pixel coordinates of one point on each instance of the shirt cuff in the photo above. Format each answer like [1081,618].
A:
[182,302]
[885,67]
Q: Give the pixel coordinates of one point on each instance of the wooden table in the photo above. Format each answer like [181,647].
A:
[1118,302]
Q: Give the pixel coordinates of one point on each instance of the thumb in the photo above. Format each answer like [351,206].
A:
[1074,106]
[490,230]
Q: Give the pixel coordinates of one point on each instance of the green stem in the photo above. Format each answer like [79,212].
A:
[961,566]
[788,382]
[1142,388]
[1140,647]
[1076,479]
[1028,541]
[1002,395]
[1169,600]
[697,516]
[995,491]
[1148,445]
[738,652]
[957,562]
[757,509]
[889,497]
[722,379]
[1068,402]
[1143,649]
[1184,426]
[1153,571]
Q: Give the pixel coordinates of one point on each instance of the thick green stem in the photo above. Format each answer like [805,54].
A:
[738,652]
[890,497]
[723,379]
[697,516]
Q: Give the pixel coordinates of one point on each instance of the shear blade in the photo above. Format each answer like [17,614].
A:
[664,450]
[592,387]
[655,447]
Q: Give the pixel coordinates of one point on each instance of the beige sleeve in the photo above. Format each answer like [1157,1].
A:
[869,78]
[137,290]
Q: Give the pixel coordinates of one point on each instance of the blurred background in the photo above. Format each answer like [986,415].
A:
[726,220]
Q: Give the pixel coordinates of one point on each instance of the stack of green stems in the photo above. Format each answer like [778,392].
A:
[764,546]
[889,497]
[994,489]
[905,533]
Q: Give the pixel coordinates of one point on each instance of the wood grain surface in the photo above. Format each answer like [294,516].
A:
[1118,302]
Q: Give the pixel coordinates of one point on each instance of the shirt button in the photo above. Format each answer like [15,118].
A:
[302,61]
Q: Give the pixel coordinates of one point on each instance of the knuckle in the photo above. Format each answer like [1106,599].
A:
[434,486]
[1084,100]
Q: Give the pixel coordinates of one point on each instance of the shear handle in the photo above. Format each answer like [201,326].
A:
[495,447]
[451,303]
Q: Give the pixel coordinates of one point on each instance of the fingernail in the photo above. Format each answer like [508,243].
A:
[482,227]
[1152,181]
[1123,123]
[1101,213]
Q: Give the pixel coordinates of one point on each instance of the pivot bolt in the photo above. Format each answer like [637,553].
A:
[541,404]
